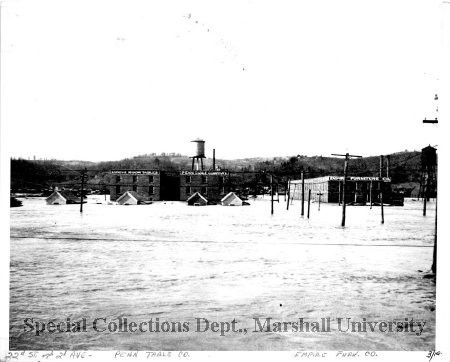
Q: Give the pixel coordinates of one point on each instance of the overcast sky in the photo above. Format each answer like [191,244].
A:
[104,80]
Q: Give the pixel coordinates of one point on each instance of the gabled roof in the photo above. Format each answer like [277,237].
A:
[230,195]
[197,194]
[133,194]
[67,195]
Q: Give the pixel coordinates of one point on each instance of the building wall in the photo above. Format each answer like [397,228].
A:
[330,188]
[211,184]
[146,184]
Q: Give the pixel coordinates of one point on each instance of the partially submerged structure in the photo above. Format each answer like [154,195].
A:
[156,185]
[358,190]
[132,198]
[231,199]
[197,199]
[62,198]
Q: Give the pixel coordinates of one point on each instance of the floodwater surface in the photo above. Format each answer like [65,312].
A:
[169,262]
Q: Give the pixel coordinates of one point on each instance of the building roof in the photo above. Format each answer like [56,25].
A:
[69,196]
[197,194]
[133,194]
[229,196]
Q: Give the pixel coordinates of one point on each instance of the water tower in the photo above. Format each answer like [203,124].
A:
[428,179]
[199,154]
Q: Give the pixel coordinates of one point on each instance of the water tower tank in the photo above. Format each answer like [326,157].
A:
[199,150]
[429,157]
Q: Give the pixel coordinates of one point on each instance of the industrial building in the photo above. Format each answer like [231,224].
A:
[146,183]
[211,184]
[156,185]
[358,190]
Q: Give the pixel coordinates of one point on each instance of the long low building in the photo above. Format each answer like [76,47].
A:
[330,189]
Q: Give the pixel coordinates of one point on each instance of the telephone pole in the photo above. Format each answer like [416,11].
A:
[434,265]
[347,158]
[303,193]
[381,188]
[82,189]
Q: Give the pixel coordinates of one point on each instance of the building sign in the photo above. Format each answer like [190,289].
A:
[205,173]
[359,178]
[135,172]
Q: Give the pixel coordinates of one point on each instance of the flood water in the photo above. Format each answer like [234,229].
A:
[177,263]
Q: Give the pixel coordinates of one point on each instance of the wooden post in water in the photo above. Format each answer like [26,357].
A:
[271,194]
[434,265]
[340,193]
[347,157]
[303,194]
[425,197]
[381,189]
[289,194]
[82,190]
[320,196]
[309,200]
[343,189]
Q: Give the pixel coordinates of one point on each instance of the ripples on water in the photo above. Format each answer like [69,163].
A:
[176,262]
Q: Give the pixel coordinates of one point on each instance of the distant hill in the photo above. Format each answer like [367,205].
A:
[39,175]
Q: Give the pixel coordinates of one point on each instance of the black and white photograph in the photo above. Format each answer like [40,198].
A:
[248,176]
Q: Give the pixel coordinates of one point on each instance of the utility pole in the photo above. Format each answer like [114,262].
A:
[339,193]
[434,265]
[309,200]
[271,194]
[381,189]
[347,157]
[303,193]
[82,189]
[388,165]
[289,194]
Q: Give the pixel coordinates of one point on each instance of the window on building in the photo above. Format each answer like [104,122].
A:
[204,190]
[204,179]
[188,190]
[151,190]
[117,178]
[117,190]
[150,179]
[188,179]
[134,187]
[134,179]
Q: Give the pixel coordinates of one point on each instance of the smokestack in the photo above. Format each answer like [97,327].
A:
[214,159]
[381,166]
[388,165]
